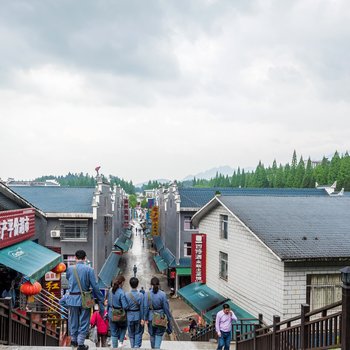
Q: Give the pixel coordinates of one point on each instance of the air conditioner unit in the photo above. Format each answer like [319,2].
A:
[55,233]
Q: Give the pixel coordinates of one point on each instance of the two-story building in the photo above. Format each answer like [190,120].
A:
[177,207]
[80,218]
[269,254]
[22,231]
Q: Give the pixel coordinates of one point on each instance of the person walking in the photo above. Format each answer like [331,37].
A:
[156,306]
[79,317]
[223,326]
[135,270]
[101,323]
[117,301]
[135,314]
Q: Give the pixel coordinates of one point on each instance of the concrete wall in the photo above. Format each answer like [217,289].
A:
[171,224]
[255,276]
[295,286]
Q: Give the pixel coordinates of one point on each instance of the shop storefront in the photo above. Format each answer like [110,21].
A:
[21,260]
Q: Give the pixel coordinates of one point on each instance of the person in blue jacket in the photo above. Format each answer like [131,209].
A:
[79,318]
[116,300]
[155,300]
[135,314]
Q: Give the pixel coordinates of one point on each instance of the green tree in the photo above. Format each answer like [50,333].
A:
[299,173]
[334,168]
[132,201]
[309,179]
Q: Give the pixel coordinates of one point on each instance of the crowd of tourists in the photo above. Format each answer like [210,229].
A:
[118,313]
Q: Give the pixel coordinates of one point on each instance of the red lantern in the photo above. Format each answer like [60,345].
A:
[30,289]
[61,267]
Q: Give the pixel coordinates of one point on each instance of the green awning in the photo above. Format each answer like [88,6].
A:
[109,269]
[30,259]
[161,264]
[158,242]
[239,312]
[183,271]
[128,233]
[123,243]
[200,297]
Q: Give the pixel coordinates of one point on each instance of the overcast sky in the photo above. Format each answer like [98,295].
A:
[163,89]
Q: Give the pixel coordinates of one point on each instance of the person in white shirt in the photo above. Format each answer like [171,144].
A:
[223,326]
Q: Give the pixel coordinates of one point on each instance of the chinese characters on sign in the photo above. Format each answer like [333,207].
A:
[52,284]
[155,220]
[199,257]
[126,218]
[16,226]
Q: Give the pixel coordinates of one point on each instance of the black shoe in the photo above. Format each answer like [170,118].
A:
[73,344]
[83,347]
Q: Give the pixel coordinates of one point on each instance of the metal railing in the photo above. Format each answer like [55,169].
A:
[25,329]
[318,329]
[51,304]
[244,325]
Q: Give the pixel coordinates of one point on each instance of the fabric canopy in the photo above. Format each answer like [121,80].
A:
[207,302]
[127,233]
[200,297]
[123,243]
[158,242]
[109,270]
[30,259]
[161,264]
[167,255]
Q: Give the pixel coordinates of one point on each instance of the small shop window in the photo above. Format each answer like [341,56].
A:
[75,230]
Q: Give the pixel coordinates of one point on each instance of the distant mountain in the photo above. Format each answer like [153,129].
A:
[162,181]
[209,174]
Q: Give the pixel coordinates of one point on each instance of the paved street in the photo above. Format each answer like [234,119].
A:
[142,256]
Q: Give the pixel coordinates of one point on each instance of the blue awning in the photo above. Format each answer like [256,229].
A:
[123,243]
[30,259]
[158,242]
[167,255]
[200,297]
[207,302]
[161,264]
[127,233]
[109,270]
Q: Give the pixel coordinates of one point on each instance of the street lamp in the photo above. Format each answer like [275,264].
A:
[345,275]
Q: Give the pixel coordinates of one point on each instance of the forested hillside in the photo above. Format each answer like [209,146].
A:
[81,180]
[298,174]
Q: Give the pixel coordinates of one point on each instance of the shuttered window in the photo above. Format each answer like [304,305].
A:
[323,290]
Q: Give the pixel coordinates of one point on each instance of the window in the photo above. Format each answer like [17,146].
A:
[323,290]
[76,230]
[223,265]
[188,226]
[187,249]
[223,226]
[107,223]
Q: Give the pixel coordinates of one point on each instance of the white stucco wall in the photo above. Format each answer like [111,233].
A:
[255,276]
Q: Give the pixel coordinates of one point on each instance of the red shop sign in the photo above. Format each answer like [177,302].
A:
[16,226]
[199,257]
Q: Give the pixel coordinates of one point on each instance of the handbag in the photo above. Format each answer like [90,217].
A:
[118,314]
[93,334]
[87,301]
[160,319]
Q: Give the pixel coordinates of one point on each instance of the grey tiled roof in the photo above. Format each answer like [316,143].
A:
[297,227]
[58,199]
[197,197]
